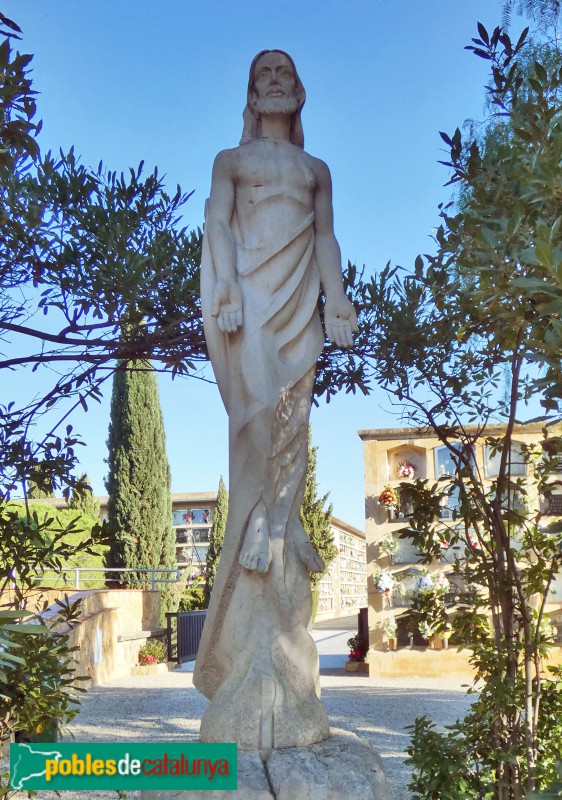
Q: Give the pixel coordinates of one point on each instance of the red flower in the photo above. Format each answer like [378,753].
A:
[356,655]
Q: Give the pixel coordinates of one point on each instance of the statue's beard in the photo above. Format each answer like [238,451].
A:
[276,105]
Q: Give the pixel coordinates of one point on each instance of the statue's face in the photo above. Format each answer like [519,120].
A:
[274,81]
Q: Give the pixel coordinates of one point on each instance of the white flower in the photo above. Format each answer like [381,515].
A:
[442,584]
[424,583]
[425,629]
[384,582]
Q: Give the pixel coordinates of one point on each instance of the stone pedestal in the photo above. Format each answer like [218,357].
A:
[343,766]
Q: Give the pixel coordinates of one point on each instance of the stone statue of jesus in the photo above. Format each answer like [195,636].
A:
[269,245]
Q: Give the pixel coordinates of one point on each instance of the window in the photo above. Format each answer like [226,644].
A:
[191,516]
[450,503]
[445,459]
[200,516]
[182,536]
[516,462]
[184,555]
[181,517]
[200,554]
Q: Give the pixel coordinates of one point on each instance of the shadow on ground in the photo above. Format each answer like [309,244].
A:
[377,710]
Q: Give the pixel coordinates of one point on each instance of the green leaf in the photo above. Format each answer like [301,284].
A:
[483,33]
[532,285]
[26,628]
[544,254]
[529,256]
[540,72]
[14,615]
[6,656]
[490,237]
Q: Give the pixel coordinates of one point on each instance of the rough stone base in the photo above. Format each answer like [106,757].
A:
[341,767]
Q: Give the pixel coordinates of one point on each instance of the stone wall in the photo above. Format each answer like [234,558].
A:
[109,618]
[423,662]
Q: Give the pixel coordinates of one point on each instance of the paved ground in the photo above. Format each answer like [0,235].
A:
[167,707]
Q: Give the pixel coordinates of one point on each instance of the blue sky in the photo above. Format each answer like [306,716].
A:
[165,83]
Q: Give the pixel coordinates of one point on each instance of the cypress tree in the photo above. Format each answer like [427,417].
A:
[85,502]
[315,519]
[138,482]
[40,488]
[216,537]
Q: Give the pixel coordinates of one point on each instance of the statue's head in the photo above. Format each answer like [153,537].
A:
[274,87]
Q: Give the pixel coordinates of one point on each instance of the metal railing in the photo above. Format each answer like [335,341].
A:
[78,572]
[184,636]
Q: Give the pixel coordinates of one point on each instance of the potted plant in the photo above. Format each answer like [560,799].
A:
[390,629]
[151,658]
[358,647]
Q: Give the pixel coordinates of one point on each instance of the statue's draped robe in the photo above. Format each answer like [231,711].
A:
[256,662]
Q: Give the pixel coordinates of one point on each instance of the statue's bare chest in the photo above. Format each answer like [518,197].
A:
[266,168]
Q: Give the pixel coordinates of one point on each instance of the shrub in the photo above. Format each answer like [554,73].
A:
[193,596]
[153,652]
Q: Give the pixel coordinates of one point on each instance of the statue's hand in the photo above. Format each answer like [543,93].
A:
[340,320]
[227,306]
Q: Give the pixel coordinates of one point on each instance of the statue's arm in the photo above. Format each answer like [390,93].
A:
[340,317]
[227,297]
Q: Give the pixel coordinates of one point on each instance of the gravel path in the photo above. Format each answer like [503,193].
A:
[166,707]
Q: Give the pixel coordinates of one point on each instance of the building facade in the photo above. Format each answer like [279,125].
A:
[395,455]
[192,516]
[343,589]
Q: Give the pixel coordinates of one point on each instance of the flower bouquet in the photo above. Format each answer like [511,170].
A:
[389,497]
[442,584]
[389,545]
[390,627]
[358,647]
[424,583]
[384,583]
[425,629]
[406,470]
